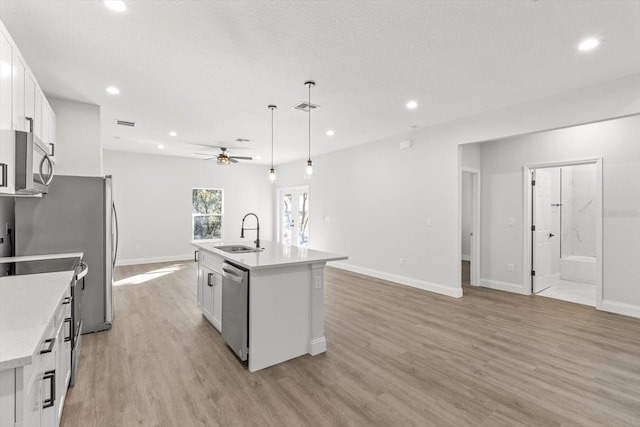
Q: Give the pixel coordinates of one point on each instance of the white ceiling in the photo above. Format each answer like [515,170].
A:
[208,69]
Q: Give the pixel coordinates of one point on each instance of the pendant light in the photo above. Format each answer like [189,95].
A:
[272,171]
[309,169]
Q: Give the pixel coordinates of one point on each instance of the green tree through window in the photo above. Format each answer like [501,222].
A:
[206,213]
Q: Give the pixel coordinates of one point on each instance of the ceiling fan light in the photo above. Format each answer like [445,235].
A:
[223,160]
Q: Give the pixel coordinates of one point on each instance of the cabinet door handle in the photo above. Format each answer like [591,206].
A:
[68,320]
[30,120]
[49,349]
[67,300]
[50,375]
[209,275]
[53,149]
[4,180]
[195,256]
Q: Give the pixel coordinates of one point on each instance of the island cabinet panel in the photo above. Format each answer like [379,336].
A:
[279,317]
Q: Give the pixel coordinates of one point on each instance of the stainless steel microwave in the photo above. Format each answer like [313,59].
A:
[34,166]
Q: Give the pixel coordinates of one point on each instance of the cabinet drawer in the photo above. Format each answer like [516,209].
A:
[64,310]
[211,261]
[44,352]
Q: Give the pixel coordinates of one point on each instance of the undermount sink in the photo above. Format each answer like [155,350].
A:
[238,249]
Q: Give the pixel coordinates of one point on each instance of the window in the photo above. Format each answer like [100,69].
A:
[206,213]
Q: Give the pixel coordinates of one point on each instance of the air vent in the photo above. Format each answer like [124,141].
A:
[305,106]
[243,140]
[125,123]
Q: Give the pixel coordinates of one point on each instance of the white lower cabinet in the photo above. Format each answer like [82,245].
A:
[33,395]
[210,288]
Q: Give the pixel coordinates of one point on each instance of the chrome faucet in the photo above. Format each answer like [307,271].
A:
[257,241]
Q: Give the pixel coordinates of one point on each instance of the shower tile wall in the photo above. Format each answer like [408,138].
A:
[578,210]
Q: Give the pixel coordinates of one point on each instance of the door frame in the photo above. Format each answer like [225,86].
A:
[279,193]
[474,273]
[528,221]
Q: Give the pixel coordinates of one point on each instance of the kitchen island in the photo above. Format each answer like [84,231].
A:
[285,298]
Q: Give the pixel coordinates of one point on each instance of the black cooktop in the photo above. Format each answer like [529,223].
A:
[20,268]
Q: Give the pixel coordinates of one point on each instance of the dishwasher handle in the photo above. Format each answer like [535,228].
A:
[232,275]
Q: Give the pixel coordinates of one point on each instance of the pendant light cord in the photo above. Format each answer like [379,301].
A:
[309,103]
[271,136]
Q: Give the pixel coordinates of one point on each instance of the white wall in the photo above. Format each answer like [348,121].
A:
[153,197]
[379,197]
[618,143]
[78,144]
[7,216]
[467,215]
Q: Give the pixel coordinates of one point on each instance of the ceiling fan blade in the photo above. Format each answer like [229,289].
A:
[241,157]
[233,160]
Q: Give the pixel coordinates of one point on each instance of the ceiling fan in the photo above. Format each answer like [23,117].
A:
[224,158]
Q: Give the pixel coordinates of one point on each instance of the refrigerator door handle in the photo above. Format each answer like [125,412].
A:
[117,235]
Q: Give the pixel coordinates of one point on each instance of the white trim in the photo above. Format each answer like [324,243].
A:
[526,271]
[134,261]
[279,192]
[503,286]
[402,280]
[620,308]
[474,257]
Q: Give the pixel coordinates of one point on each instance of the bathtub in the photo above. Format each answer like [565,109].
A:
[577,268]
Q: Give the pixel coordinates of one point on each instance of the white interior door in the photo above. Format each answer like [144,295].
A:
[294,216]
[541,263]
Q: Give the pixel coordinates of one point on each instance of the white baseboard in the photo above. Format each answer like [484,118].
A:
[502,286]
[620,308]
[464,257]
[317,346]
[414,283]
[134,261]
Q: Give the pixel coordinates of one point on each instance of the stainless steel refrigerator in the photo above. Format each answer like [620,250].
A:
[76,215]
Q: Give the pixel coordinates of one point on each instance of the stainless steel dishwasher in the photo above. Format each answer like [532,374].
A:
[235,308]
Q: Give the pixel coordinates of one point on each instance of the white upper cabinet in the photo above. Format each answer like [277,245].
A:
[6,95]
[7,150]
[37,115]
[29,98]
[22,104]
[19,121]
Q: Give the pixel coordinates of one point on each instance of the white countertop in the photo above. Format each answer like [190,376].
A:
[45,256]
[27,304]
[273,255]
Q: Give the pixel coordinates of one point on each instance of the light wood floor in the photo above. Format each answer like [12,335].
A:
[397,356]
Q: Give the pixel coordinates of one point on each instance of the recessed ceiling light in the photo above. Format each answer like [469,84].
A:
[330,132]
[161,147]
[412,105]
[588,44]
[113,90]
[173,133]
[116,5]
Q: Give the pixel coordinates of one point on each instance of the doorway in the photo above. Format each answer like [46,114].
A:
[470,226]
[563,231]
[293,216]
